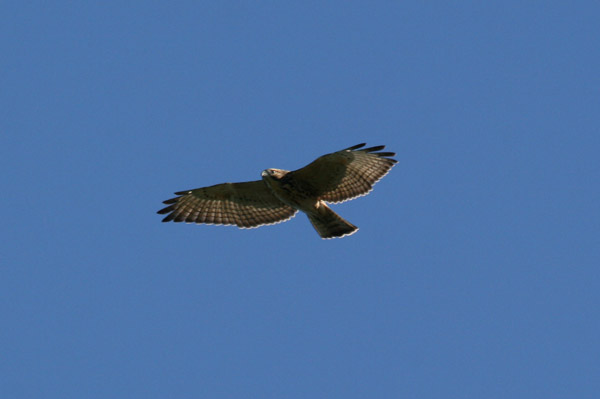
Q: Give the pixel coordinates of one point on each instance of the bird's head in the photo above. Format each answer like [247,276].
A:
[273,174]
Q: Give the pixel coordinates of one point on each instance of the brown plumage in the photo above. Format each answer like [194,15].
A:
[335,177]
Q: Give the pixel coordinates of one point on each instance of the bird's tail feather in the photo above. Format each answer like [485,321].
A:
[329,224]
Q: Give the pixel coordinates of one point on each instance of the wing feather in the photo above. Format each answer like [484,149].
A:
[344,174]
[246,204]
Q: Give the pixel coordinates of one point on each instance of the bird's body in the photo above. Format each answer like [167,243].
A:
[299,194]
[334,177]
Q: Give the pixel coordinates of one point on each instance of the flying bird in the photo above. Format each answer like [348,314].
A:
[335,177]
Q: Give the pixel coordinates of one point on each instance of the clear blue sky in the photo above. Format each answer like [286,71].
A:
[475,272]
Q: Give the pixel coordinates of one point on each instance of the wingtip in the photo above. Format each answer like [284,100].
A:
[168,218]
[373,149]
[165,210]
[354,147]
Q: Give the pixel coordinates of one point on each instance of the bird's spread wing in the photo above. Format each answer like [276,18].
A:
[345,174]
[247,204]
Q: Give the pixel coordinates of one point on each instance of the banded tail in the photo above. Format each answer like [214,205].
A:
[329,224]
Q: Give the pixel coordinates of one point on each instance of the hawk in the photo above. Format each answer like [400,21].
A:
[335,177]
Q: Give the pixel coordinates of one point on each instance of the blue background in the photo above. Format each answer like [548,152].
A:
[475,270]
